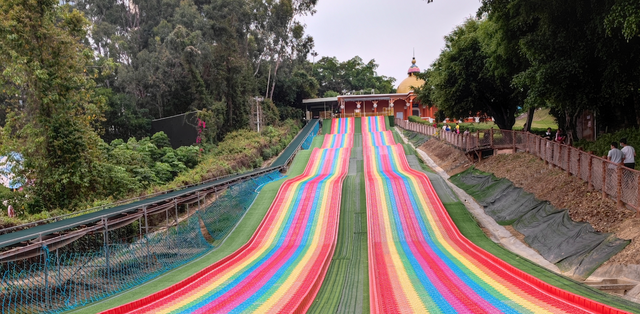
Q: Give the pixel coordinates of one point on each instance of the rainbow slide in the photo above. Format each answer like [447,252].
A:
[419,261]
[284,263]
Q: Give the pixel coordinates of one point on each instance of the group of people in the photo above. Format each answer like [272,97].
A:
[559,137]
[447,128]
[626,155]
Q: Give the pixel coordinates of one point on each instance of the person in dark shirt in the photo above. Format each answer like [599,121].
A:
[548,135]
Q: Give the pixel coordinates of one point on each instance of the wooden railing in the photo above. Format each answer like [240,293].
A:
[614,180]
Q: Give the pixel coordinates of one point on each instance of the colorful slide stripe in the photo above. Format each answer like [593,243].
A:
[337,140]
[343,125]
[419,261]
[281,268]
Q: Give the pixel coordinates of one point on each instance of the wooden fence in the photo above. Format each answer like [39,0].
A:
[614,180]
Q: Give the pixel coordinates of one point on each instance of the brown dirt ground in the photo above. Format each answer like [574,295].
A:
[555,186]
[450,159]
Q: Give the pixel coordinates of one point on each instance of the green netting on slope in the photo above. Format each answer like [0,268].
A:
[92,267]
[470,229]
[417,139]
[575,247]
[223,214]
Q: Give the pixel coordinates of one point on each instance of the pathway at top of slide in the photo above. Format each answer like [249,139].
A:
[419,261]
[282,266]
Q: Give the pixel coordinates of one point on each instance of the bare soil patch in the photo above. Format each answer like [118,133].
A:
[554,185]
[450,159]
[563,191]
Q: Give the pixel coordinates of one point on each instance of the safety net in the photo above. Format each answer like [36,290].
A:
[575,247]
[101,264]
[281,268]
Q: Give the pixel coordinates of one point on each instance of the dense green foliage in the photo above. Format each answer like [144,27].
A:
[469,77]
[569,56]
[51,101]
[138,167]
[81,82]
[240,150]
[602,145]
[335,77]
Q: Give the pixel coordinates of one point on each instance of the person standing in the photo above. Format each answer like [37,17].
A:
[615,155]
[629,154]
[560,137]
[457,128]
[548,135]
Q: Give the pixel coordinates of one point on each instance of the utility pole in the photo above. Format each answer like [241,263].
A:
[258,100]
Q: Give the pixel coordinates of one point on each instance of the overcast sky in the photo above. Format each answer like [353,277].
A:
[386,30]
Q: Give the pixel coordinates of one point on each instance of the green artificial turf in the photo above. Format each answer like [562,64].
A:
[317,142]
[470,229]
[345,288]
[326,126]
[357,126]
[242,233]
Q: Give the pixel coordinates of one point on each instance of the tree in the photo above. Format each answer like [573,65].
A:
[576,61]
[351,75]
[462,81]
[44,69]
[624,18]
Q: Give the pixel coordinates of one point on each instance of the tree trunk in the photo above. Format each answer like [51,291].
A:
[275,73]
[570,125]
[266,94]
[527,126]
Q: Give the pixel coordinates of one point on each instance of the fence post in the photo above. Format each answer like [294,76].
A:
[578,173]
[604,178]
[637,196]
[589,168]
[619,190]
[166,225]
[490,137]
[513,137]
[105,237]
[175,204]
[568,161]
[47,293]
[467,139]
[146,231]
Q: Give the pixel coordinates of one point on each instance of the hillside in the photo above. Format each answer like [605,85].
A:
[562,191]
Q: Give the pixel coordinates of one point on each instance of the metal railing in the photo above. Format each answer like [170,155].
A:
[620,183]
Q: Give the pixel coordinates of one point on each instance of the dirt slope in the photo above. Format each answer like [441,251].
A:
[554,185]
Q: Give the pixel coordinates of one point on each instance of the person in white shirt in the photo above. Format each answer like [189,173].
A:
[629,154]
[615,155]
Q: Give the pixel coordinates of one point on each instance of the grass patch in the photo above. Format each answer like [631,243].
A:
[326,126]
[470,229]
[345,288]
[243,232]
[541,121]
